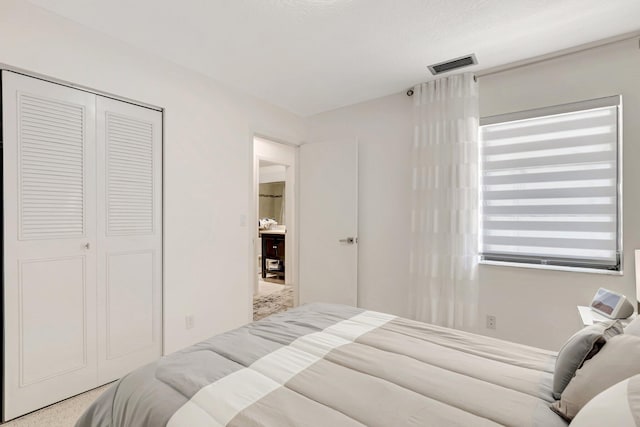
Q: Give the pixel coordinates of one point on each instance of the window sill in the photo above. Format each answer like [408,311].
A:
[553,267]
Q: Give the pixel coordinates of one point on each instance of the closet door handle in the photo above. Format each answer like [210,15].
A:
[349,240]
[87,245]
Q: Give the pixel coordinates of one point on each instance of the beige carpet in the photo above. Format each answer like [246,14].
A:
[271,298]
[63,414]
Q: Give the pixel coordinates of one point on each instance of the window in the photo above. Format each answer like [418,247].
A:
[550,189]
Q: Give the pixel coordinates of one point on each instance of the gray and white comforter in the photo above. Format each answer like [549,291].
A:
[332,365]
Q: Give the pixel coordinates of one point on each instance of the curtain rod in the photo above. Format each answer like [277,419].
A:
[410,91]
[553,55]
[558,54]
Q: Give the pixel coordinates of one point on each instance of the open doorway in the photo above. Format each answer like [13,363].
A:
[274,261]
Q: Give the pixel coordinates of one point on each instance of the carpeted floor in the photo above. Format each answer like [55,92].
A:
[62,414]
[273,301]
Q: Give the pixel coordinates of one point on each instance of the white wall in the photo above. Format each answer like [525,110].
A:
[207,156]
[208,135]
[383,129]
[535,307]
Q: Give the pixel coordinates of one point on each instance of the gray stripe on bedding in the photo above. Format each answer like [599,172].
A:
[201,364]
[176,378]
[291,325]
[138,399]
[480,345]
[188,372]
[530,381]
[286,408]
[375,402]
[461,391]
[411,373]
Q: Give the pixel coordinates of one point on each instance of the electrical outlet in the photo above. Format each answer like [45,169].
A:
[188,321]
[491,321]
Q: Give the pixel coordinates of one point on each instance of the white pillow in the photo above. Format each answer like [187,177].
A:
[581,346]
[618,406]
[616,361]
[633,328]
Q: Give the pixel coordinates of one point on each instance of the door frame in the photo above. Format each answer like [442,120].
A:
[285,154]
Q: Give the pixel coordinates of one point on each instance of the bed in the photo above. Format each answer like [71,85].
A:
[334,365]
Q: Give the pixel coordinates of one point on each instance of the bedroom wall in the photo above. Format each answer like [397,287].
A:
[535,307]
[384,132]
[209,132]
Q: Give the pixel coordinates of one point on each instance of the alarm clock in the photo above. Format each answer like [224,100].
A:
[611,304]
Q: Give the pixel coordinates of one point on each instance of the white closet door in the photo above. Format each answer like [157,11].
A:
[49,240]
[129,237]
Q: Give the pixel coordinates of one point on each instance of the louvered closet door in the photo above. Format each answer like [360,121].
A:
[129,237]
[49,239]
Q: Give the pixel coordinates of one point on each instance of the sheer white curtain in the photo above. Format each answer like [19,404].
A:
[444,216]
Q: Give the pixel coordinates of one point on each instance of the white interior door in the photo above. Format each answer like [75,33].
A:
[129,247]
[49,239]
[329,222]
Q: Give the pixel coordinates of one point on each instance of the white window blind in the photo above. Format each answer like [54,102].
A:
[550,186]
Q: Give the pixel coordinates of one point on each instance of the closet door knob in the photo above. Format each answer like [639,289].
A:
[349,240]
[87,245]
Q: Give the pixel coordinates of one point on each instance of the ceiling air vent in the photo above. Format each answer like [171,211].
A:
[453,64]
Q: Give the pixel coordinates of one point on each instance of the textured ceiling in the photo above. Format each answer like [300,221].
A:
[309,56]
